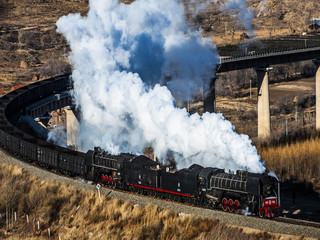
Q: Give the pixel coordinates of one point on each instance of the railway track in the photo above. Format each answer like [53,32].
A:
[297,222]
[281,219]
[279,225]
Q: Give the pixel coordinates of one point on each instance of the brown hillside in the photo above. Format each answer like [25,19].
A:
[29,45]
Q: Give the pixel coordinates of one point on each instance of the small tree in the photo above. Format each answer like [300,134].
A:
[54,67]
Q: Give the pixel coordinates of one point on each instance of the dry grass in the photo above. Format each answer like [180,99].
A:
[298,161]
[73,214]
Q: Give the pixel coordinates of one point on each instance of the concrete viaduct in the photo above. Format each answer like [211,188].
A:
[261,63]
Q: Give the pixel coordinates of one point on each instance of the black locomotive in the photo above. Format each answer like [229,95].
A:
[243,192]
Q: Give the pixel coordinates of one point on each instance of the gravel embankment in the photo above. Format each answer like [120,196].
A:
[233,219]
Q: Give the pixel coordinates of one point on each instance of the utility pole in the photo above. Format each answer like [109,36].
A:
[7,209]
[7,217]
[286,128]
[250,88]
[313,23]
[295,101]
[232,34]
[225,29]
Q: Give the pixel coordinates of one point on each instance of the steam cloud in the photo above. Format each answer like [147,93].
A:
[121,54]
[195,6]
[245,15]
[58,136]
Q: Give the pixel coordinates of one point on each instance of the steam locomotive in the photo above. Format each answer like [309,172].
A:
[240,192]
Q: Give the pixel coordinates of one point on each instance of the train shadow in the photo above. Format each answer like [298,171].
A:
[300,201]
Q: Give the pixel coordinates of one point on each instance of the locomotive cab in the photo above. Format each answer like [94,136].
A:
[270,196]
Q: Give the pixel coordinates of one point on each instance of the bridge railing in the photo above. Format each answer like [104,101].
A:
[276,52]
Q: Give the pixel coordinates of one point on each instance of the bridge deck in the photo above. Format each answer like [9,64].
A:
[265,59]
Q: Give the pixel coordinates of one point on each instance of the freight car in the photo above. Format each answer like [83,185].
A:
[242,192]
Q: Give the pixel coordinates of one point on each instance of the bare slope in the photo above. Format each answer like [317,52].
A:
[30,47]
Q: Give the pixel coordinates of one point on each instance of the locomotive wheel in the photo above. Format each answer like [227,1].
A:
[194,202]
[230,208]
[237,206]
[190,201]
[140,191]
[224,204]
[224,208]
[224,201]
[153,193]
[109,180]
[262,213]
[171,197]
[159,195]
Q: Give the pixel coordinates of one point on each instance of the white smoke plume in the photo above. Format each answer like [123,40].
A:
[120,54]
[195,6]
[273,174]
[245,14]
[58,137]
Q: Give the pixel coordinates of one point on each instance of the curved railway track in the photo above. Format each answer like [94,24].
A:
[277,219]
[276,225]
[16,103]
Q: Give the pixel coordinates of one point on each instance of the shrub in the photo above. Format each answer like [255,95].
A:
[54,67]
[296,161]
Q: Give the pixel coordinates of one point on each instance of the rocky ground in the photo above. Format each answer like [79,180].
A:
[30,48]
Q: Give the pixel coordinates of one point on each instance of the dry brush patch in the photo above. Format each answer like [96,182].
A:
[297,161]
[74,214]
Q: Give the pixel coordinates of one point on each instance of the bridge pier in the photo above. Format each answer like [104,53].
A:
[264,128]
[72,127]
[209,102]
[317,64]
